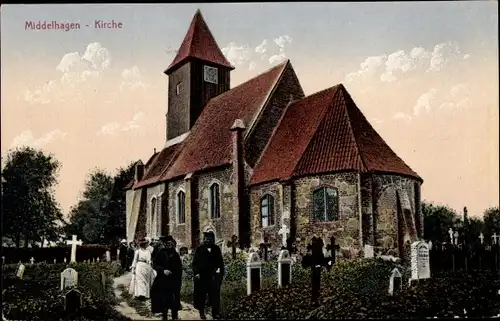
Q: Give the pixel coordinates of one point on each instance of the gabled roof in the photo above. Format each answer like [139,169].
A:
[157,164]
[209,144]
[322,133]
[199,43]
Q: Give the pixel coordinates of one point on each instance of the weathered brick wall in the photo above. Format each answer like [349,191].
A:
[386,209]
[258,232]
[153,222]
[178,231]
[179,105]
[346,228]
[288,88]
[223,226]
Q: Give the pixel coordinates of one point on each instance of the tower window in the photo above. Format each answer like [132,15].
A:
[178,88]
[210,74]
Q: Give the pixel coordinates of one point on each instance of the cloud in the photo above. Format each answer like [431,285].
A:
[26,138]
[262,48]
[113,128]
[425,101]
[77,70]
[132,79]
[368,68]
[238,54]
[281,42]
[401,116]
[399,64]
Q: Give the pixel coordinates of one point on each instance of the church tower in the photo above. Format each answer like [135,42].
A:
[198,73]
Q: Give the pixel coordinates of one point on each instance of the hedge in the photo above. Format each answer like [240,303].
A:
[48,254]
[38,297]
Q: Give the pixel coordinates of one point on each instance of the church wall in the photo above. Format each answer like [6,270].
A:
[224,225]
[178,231]
[385,209]
[287,90]
[129,197]
[346,229]
[154,192]
[259,232]
[179,105]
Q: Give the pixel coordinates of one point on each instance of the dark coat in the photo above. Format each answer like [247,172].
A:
[205,264]
[166,290]
[123,255]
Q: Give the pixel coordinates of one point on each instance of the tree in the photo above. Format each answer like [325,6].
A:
[100,216]
[491,219]
[438,219]
[30,211]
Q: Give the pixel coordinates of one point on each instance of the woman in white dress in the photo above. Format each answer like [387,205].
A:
[141,272]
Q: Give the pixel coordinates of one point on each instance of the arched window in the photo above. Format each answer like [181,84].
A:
[267,211]
[152,222]
[181,207]
[325,204]
[214,201]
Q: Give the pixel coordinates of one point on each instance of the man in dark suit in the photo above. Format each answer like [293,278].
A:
[208,271]
[166,288]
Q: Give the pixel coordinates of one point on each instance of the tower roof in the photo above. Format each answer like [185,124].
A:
[322,133]
[199,43]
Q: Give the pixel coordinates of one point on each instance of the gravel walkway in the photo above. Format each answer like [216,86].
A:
[188,312]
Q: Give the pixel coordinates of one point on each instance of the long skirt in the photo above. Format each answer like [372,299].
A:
[140,284]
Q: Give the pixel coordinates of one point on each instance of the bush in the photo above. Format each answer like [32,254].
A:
[48,254]
[38,297]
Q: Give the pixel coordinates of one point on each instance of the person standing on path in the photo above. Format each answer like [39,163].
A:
[208,270]
[141,272]
[122,255]
[130,254]
[166,289]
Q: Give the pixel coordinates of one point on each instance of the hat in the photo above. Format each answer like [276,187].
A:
[167,238]
[209,233]
[124,241]
[143,241]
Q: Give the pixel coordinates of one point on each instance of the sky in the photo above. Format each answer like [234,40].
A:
[425,74]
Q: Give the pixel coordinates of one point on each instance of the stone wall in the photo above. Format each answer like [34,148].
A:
[346,229]
[271,232]
[385,188]
[223,226]
[153,220]
[178,231]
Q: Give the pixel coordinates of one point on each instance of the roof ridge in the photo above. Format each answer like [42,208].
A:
[251,124]
[315,132]
[342,91]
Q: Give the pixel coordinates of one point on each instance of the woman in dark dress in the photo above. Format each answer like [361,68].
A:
[166,288]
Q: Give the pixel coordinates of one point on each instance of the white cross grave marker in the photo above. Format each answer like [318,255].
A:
[456,237]
[450,231]
[32,260]
[73,242]
[283,232]
[495,238]
[481,237]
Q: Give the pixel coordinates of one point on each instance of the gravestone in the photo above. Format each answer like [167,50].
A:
[108,256]
[368,251]
[284,268]
[97,260]
[20,271]
[3,260]
[72,302]
[69,278]
[395,282]
[254,273]
[481,237]
[420,264]
[283,232]
[74,243]
[64,260]
[32,260]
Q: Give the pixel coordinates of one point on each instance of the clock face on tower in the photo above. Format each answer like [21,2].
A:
[210,74]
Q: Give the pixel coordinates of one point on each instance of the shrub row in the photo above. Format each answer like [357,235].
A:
[48,254]
[38,297]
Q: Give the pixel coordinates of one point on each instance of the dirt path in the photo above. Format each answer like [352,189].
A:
[188,312]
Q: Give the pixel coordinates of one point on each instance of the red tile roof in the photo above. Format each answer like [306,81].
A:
[326,132]
[199,43]
[148,163]
[209,144]
[157,164]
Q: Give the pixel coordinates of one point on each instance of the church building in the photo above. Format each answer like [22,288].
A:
[261,159]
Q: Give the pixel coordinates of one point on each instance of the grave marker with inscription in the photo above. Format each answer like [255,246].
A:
[420,264]
[20,271]
[368,251]
[69,278]
[254,273]
[284,268]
